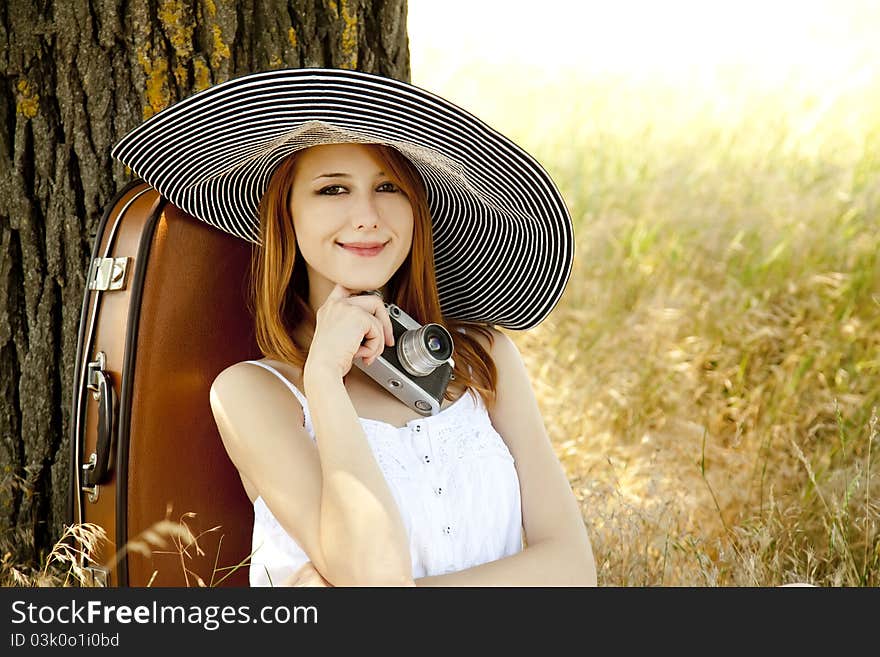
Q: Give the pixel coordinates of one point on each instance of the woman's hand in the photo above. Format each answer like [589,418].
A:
[348,326]
[307,575]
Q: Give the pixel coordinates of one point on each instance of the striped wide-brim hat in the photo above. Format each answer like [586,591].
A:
[503,238]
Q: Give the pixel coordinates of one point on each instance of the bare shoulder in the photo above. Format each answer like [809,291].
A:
[234,378]
[235,384]
[239,378]
[514,394]
[259,420]
[244,391]
[497,342]
[503,350]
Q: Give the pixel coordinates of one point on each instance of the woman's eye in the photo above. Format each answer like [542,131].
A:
[388,187]
[332,190]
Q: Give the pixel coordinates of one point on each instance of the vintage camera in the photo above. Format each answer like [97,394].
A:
[418,367]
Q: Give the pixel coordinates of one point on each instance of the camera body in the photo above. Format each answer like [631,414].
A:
[418,368]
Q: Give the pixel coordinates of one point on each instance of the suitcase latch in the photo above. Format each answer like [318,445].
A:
[97,576]
[108,273]
[95,368]
[94,492]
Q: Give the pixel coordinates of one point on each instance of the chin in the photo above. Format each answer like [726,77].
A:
[363,284]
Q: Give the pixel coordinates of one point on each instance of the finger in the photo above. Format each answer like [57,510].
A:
[298,574]
[308,575]
[387,328]
[339,291]
[301,581]
[375,306]
[314,579]
[367,302]
[373,342]
[305,575]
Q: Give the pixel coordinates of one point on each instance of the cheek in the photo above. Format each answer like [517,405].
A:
[311,251]
[306,225]
[307,243]
[405,240]
[409,238]
[406,225]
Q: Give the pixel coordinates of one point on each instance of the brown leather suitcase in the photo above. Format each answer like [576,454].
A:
[163,313]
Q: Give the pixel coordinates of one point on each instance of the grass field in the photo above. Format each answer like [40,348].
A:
[711,376]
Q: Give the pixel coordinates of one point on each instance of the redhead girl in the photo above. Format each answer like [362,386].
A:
[349,183]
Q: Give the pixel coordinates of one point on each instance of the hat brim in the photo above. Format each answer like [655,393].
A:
[503,237]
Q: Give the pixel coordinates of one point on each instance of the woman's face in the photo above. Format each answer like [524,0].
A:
[353,224]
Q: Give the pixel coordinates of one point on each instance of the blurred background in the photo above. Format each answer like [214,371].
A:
[711,375]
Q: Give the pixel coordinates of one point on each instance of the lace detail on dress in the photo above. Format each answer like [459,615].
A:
[482,441]
[384,444]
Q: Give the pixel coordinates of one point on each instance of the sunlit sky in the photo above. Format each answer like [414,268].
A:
[556,38]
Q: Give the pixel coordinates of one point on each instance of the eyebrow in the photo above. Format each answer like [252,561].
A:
[341,175]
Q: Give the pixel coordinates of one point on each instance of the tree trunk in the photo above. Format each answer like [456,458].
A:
[77,75]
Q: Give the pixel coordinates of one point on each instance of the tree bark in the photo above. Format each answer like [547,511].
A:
[77,75]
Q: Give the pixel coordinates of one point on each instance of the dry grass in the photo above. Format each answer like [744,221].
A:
[80,543]
[711,375]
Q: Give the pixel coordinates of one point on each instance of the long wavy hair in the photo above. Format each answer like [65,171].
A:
[279,285]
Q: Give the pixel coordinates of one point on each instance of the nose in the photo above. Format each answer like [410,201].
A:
[366,214]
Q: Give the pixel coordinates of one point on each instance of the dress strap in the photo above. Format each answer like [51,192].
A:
[301,398]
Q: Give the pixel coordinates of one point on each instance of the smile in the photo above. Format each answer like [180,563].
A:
[363,249]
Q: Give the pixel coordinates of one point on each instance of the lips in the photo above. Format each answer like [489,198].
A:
[365,249]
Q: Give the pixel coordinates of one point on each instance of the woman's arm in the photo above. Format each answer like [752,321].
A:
[336,504]
[261,425]
[362,533]
[558,551]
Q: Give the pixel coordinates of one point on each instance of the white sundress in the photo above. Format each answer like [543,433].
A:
[454,482]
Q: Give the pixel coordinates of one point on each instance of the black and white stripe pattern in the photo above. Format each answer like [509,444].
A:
[503,238]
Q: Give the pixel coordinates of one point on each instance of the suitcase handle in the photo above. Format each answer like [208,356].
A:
[97,470]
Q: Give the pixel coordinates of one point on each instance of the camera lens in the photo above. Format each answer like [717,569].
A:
[424,349]
[438,342]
